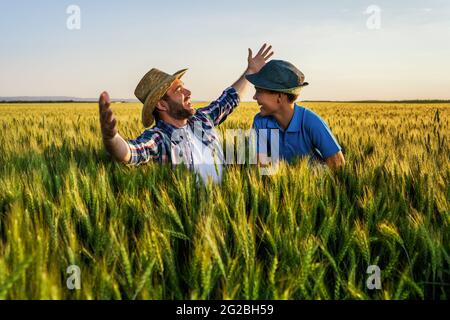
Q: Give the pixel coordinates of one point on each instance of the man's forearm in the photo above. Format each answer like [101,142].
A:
[118,148]
[254,65]
[242,85]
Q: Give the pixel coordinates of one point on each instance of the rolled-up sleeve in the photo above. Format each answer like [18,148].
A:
[219,109]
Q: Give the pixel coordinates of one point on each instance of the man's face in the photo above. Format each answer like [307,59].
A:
[267,101]
[178,101]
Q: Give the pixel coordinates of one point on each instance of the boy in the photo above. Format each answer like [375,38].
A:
[301,131]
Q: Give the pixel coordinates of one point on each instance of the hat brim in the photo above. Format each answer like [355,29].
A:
[263,84]
[155,95]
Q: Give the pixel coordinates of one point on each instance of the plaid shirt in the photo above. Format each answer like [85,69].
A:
[165,143]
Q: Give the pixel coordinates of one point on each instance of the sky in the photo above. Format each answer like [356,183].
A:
[348,50]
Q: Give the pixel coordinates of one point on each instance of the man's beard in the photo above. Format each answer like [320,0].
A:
[177,111]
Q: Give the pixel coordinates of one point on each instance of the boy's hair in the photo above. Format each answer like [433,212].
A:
[291,97]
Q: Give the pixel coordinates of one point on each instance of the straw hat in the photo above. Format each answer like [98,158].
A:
[152,87]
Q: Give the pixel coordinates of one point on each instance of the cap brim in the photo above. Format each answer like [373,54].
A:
[262,84]
[253,79]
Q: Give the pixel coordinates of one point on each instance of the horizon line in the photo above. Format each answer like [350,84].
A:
[92,100]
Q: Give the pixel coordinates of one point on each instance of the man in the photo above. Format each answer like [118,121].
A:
[181,134]
[301,131]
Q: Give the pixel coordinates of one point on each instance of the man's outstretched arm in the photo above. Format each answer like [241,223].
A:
[116,146]
[254,65]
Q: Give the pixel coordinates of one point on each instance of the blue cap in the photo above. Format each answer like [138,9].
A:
[280,76]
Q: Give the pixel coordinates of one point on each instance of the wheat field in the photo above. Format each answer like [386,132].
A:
[151,232]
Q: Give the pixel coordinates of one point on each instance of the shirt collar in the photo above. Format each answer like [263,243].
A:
[272,123]
[205,137]
[166,127]
[294,125]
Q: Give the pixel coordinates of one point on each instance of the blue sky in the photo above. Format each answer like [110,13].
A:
[118,42]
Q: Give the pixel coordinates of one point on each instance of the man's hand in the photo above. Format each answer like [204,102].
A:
[257,62]
[112,140]
[254,65]
[108,122]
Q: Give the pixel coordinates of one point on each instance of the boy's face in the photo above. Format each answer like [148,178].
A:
[268,101]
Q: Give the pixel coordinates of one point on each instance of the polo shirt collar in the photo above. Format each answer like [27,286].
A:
[272,123]
[294,125]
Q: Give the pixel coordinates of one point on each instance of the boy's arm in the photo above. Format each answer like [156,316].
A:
[324,140]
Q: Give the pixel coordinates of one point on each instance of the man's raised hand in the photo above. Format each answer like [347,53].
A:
[108,122]
[257,62]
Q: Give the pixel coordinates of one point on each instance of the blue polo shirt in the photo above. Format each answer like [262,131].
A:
[307,135]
